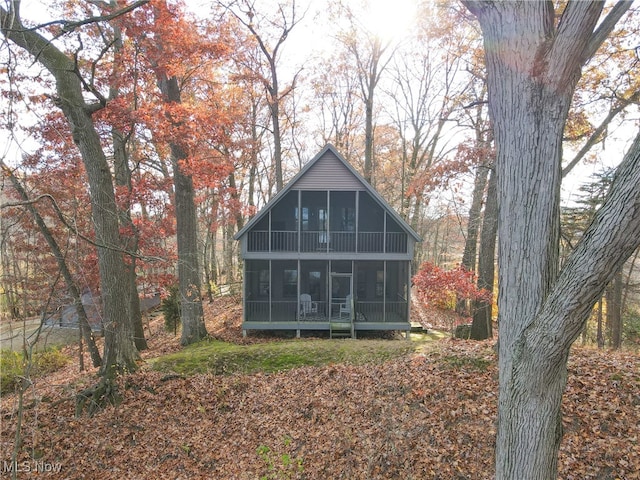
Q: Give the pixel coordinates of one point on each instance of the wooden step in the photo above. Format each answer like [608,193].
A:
[340,329]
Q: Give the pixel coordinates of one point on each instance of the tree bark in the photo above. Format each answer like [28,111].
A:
[192,315]
[599,331]
[613,294]
[533,65]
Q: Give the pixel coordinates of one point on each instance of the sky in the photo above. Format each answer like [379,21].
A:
[389,19]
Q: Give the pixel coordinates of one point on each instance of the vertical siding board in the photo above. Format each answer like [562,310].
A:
[329,173]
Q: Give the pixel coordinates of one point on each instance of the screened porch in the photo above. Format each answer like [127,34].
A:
[309,294]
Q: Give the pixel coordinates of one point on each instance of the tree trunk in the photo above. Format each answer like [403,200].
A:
[368,84]
[120,353]
[473,226]
[191,312]
[192,315]
[122,174]
[481,327]
[130,237]
[613,295]
[599,331]
[274,108]
[533,64]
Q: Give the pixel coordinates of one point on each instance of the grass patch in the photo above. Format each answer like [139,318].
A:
[466,362]
[214,356]
[12,366]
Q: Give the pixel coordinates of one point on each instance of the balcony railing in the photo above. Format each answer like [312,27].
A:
[322,241]
[290,311]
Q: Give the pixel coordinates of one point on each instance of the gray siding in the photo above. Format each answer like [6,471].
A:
[328,174]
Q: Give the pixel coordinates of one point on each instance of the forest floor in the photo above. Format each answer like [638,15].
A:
[428,414]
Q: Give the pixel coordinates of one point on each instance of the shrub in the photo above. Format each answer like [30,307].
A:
[49,361]
[10,370]
[171,309]
[442,288]
[463,331]
[12,366]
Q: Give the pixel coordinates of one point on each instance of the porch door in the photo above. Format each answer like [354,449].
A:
[340,288]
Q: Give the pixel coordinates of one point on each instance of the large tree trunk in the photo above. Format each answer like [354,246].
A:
[192,315]
[533,65]
[120,353]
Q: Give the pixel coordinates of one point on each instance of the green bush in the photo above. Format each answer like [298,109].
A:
[12,366]
[171,309]
[10,370]
[49,361]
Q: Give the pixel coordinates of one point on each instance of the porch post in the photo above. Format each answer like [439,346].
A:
[269,241]
[328,224]
[299,222]
[409,293]
[298,298]
[244,297]
[384,234]
[384,286]
[357,218]
[270,280]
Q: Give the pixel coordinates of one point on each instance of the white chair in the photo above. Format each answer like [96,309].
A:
[307,306]
[346,307]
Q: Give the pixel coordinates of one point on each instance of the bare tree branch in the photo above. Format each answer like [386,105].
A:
[604,29]
[597,133]
[65,222]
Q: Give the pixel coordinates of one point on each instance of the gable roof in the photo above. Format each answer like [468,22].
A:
[325,169]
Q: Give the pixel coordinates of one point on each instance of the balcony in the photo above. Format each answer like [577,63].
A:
[322,241]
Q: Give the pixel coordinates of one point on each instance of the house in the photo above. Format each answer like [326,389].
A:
[327,253]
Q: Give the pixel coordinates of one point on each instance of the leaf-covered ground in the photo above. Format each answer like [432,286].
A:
[426,415]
